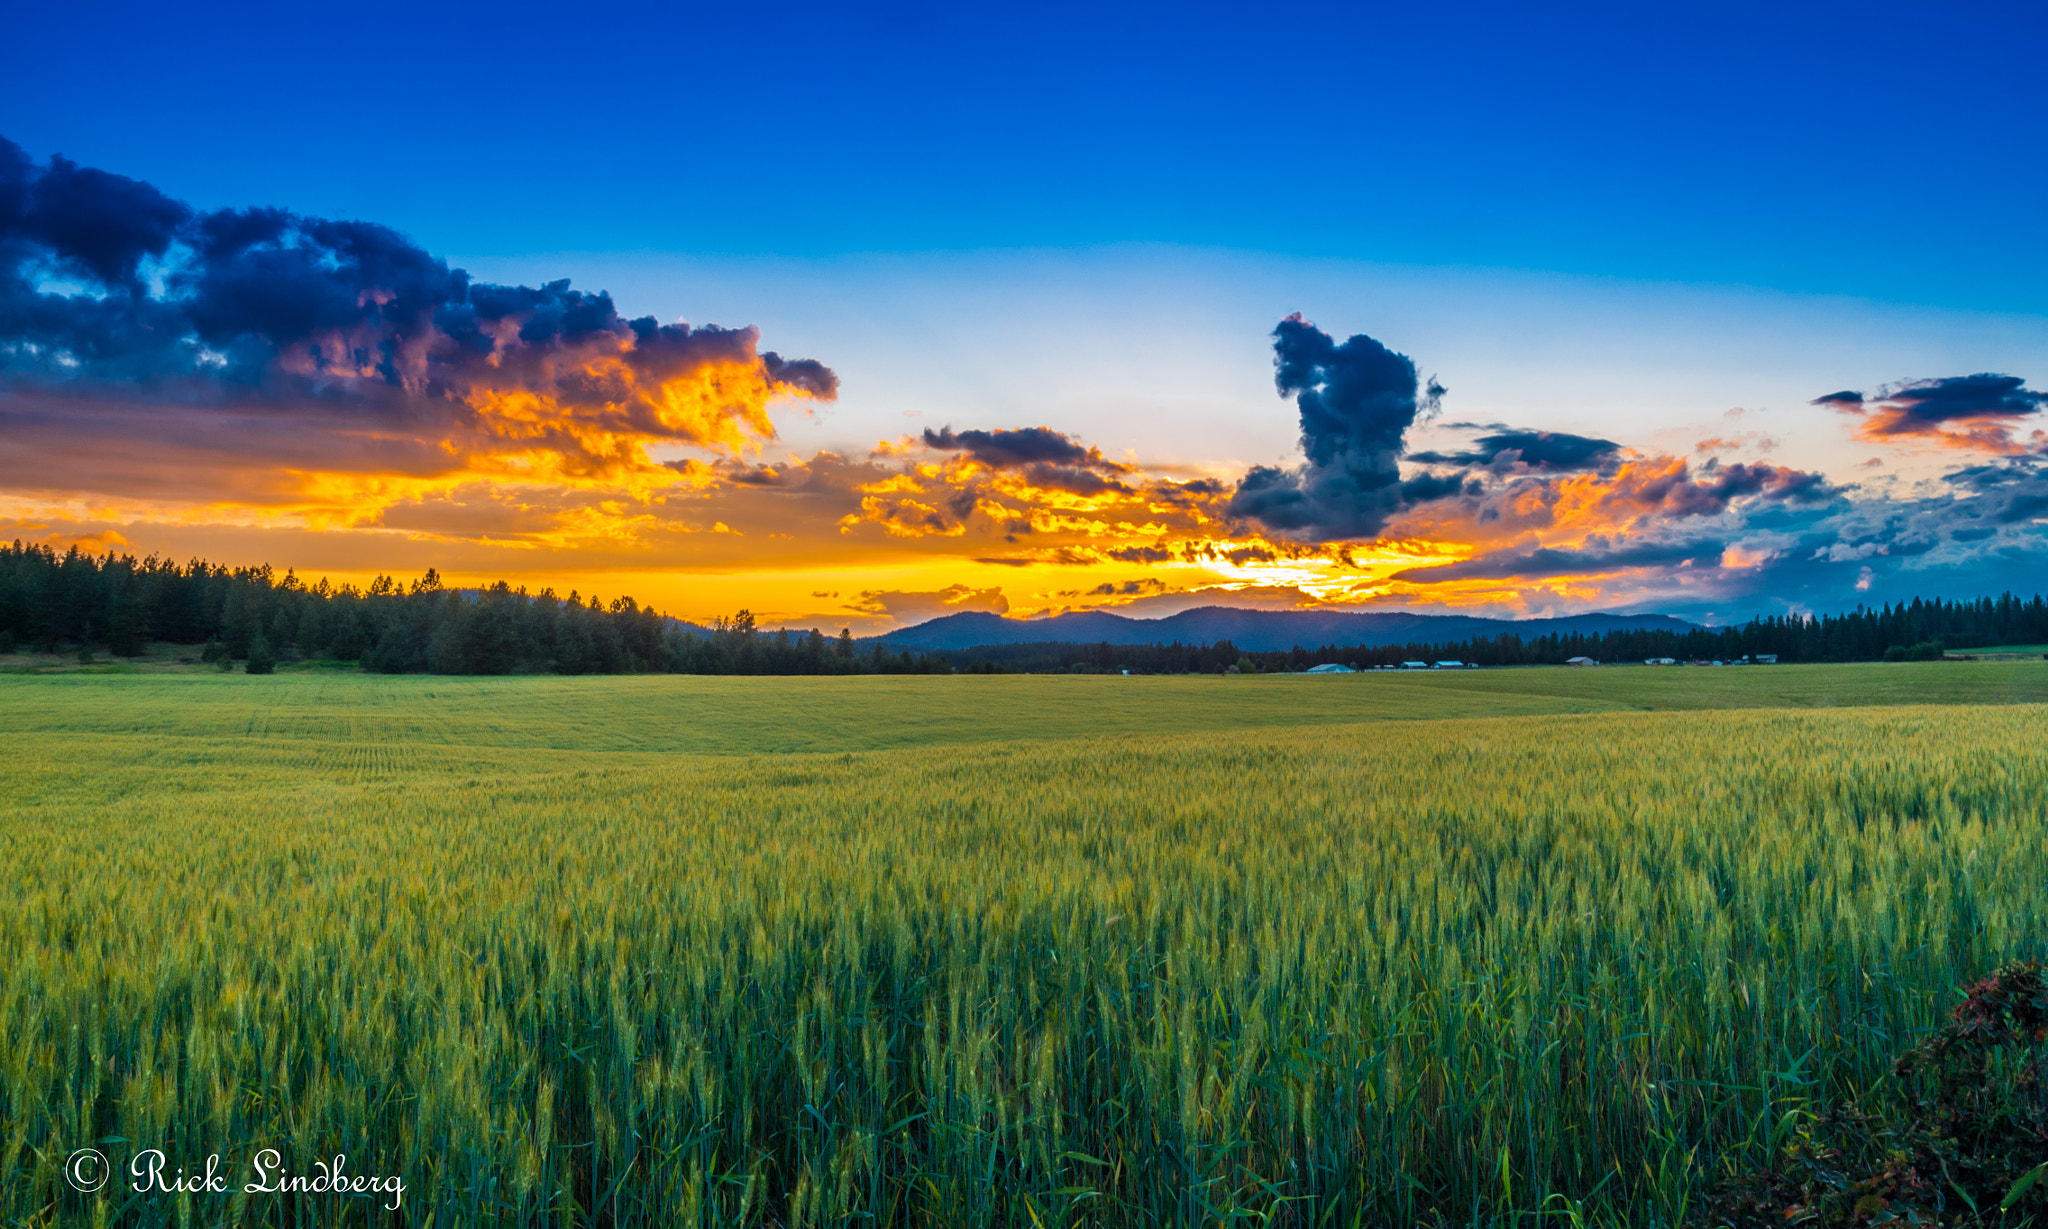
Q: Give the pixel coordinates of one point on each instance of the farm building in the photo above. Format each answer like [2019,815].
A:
[1415,665]
[1582,661]
[1660,661]
[1450,665]
[1330,668]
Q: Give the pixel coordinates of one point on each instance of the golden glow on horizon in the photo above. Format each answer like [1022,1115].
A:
[542,492]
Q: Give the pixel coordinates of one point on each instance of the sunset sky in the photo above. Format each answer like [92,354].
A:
[859,315]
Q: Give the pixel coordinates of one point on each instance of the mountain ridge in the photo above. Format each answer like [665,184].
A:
[1253,630]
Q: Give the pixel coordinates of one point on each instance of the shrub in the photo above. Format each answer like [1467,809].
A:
[1926,650]
[1958,1142]
[261,659]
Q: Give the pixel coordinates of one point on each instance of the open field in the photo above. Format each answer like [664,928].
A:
[992,950]
[736,716]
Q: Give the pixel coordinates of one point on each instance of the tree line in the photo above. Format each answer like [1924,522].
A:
[52,602]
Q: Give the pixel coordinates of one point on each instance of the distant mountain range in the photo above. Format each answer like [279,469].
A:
[1255,630]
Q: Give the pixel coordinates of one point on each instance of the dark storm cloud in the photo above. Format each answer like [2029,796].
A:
[1012,449]
[107,285]
[1984,395]
[1549,451]
[91,224]
[1424,487]
[1140,554]
[1042,456]
[1357,400]
[2012,493]
[1680,492]
[1984,406]
[1129,588]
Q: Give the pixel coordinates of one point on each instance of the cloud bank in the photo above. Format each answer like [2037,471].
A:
[120,303]
[255,383]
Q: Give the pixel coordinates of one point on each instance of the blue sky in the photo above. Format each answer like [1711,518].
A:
[1662,231]
[1881,151]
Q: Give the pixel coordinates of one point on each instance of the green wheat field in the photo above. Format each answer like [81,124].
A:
[1519,946]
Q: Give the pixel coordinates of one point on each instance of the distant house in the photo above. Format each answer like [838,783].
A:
[1660,661]
[1768,659]
[1415,665]
[1582,661]
[1450,665]
[1334,667]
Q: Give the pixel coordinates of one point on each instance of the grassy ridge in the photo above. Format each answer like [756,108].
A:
[505,941]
